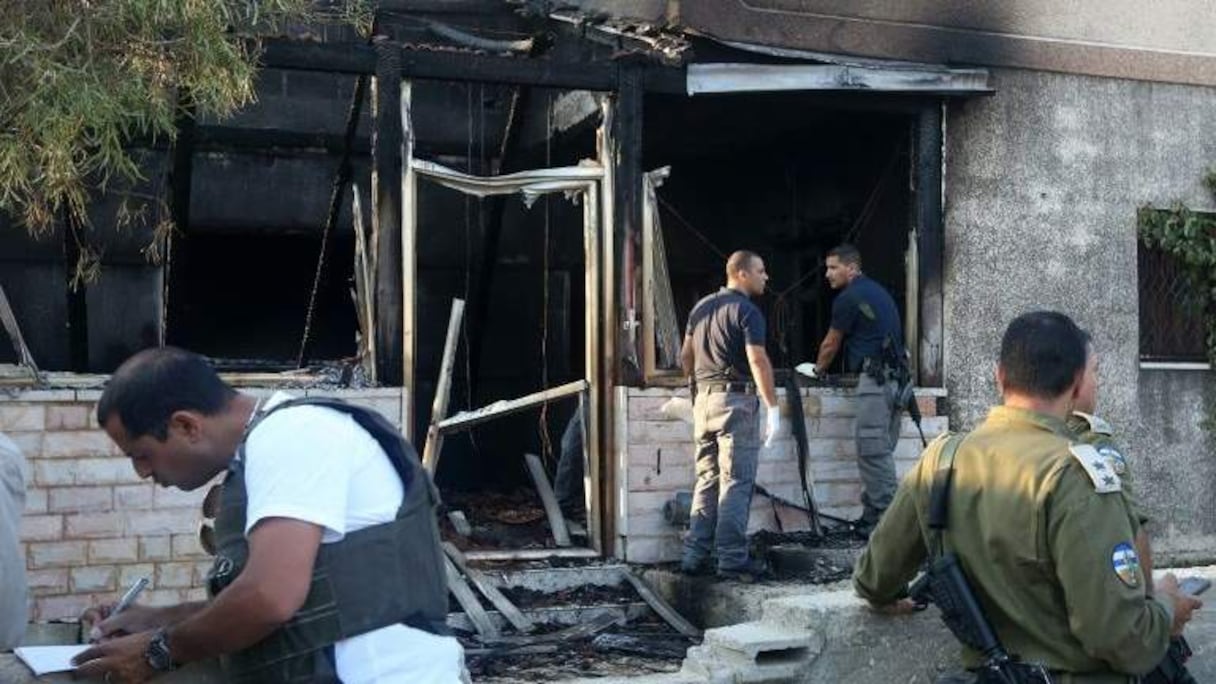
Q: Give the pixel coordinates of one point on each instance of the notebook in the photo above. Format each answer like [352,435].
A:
[45,659]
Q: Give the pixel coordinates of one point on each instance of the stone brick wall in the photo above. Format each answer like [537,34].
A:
[655,460]
[91,526]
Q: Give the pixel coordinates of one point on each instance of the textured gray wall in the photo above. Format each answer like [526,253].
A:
[1042,185]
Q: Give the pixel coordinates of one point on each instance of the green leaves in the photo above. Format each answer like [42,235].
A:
[1190,237]
[80,80]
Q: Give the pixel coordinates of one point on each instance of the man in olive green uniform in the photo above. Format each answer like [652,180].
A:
[1040,526]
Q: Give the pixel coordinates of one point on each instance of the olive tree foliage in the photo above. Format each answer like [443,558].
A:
[81,79]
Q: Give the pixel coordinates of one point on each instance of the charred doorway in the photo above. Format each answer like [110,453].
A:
[517,238]
[788,176]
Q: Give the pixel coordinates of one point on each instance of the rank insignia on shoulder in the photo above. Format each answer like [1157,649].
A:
[1114,459]
[1095,423]
[1100,472]
[1126,564]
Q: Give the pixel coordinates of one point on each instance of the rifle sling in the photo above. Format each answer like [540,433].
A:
[939,495]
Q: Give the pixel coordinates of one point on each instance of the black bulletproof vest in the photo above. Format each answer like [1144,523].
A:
[374,577]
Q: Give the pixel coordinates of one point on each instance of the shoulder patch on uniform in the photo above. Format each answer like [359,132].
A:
[1104,477]
[1126,564]
[1114,458]
[1095,423]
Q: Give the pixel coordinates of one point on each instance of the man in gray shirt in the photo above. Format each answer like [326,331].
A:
[14,611]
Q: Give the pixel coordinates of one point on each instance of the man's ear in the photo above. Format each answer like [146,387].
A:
[999,374]
[189,424]
[1074,390]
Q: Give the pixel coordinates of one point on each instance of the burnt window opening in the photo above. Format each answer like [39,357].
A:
[1170,328]
[787,177]
[241,299]
[242,269]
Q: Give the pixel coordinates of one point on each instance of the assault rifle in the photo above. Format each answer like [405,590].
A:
[945,585]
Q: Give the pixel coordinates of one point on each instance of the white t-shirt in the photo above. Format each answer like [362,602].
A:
[315,464]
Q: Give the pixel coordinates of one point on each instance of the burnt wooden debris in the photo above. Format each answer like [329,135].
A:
[386,209]
[9,322]
[663,608]
[557,522]
[473,609]
[487,588]
[439,408]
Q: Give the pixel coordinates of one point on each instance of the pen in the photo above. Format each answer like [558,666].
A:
[123,603]
[129,597]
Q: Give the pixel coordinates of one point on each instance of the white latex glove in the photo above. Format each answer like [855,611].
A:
[772,423]
[808,369]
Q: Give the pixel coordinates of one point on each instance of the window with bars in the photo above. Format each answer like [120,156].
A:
[1171,328]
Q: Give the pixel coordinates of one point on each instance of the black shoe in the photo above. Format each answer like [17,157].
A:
[862,528]
[696,569]
[753,571]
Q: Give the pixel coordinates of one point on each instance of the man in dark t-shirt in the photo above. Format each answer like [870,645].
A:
[725,355]
[866,321]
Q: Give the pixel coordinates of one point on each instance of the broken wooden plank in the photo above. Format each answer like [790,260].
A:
[488,589]
[460,523]
[663,608]
[364,288]
[648,645]
[522,649]
[9,320]
[467,419]
[558,617]
[557,522]
[530,554]
[387,173]
[583,630]
[486,628]
[443,389]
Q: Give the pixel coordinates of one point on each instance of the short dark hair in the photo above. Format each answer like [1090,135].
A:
[846,253]
[148,388]
[740,260]
[1042,352]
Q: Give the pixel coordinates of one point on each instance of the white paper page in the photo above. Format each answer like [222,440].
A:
[44,659]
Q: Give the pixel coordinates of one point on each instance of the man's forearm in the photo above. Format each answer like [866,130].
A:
[239,617]
[827,354]
[171,615]
[762,373]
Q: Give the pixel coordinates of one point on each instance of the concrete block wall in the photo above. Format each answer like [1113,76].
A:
[91,526]
[655,458]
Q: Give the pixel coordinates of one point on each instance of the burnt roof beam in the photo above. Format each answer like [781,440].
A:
[357,59]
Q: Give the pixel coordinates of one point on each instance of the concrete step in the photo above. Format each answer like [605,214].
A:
[759,640]
[721,666]
[753,652]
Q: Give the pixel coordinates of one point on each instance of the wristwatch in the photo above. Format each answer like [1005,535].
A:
[157,653]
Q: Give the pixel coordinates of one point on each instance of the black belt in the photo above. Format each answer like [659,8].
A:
[728,387]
